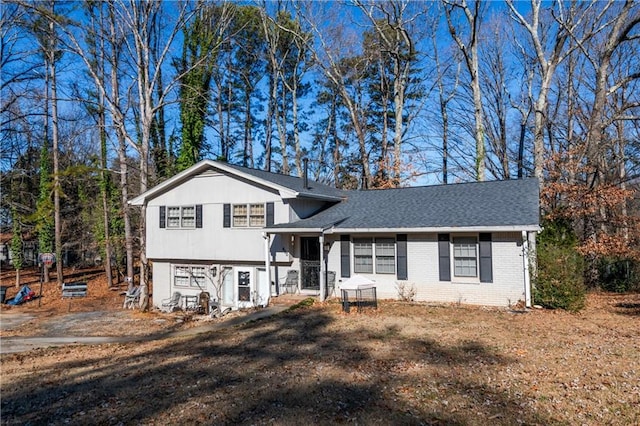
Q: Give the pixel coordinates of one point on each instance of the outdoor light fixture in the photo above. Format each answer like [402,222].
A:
[214,271]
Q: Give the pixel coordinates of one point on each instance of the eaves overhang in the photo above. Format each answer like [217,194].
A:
[394,230]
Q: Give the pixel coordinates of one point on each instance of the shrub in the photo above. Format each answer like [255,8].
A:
[560,279]
[619,275]
[406,292]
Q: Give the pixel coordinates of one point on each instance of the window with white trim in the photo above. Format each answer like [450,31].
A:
[189,276]
[256,215]
[248,215]
[465,256]
[181,217]
[383,250]
[385,256]
[362,256]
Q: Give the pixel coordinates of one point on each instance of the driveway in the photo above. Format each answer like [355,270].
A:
[80,328]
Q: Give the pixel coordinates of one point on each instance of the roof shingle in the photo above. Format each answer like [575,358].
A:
[509,203]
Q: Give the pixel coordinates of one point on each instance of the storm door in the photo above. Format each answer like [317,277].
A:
[244,276]
[310,263]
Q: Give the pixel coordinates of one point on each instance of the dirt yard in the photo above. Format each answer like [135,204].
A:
[400,364]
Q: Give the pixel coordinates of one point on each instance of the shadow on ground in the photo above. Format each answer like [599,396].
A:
[294,368]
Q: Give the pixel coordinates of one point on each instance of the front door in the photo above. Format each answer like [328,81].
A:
[310,263]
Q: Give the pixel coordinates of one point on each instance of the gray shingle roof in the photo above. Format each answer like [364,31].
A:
[509,203]
[293,183]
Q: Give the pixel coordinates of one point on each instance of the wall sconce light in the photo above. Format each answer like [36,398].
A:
[214,271]
[327,246]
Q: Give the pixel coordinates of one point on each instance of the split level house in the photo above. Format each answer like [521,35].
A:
[245,235]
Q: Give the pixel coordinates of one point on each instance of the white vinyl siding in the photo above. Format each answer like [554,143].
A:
[465,259]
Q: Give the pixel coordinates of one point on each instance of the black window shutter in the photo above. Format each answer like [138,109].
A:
[226,220]
[269,214]
[345,257]
[444,261]
[402,256]
[486,267]
[198,215]
[163,216]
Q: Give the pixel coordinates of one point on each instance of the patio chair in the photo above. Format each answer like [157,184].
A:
[131,298]
[291,282]
[216,310]
[172,303]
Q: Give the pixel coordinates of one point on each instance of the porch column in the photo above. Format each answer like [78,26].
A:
[267,258]
[322,280]
[525,259]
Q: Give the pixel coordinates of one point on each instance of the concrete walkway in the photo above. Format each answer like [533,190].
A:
[23,344]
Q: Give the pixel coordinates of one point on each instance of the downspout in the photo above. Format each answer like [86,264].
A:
[525,261]
[267,258]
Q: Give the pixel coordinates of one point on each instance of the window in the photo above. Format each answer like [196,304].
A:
[385,255]
[244,286]
[173,217]
[256,215]
[189,217]
[248,215]
[362,255]
[181,217]
[465,261]
[240,215]
[189,276]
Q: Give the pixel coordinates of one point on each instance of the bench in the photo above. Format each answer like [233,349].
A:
[70,290]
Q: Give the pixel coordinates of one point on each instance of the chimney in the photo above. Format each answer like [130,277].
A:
[305,160]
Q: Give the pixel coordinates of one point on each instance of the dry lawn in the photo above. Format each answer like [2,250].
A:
[400,364]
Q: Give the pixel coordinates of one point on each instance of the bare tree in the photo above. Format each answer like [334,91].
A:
[140,22]
[332,48]
[395,29]
[495,75]
[469,49]
[549,44]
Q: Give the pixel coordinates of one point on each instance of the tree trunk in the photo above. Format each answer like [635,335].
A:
[56,154]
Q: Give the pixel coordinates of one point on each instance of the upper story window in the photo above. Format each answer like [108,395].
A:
[248,215]
[181,217]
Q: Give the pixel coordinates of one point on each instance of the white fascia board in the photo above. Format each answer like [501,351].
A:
[433,229]
[317,196]
[403,230]
[293,231]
